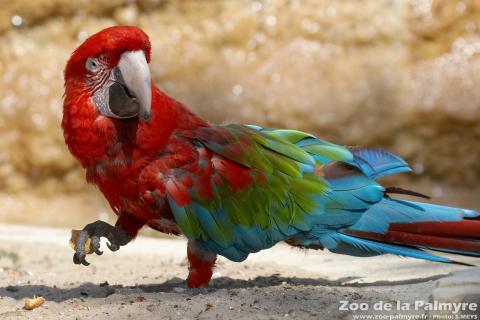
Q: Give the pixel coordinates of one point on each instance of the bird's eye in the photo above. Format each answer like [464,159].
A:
[92,65]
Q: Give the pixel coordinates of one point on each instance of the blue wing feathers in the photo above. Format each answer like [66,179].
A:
[376,163]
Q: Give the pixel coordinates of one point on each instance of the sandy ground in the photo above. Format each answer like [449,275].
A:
[145,280]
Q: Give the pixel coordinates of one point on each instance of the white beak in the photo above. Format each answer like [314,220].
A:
[136,74]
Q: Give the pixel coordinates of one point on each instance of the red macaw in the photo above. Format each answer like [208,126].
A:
[232,189]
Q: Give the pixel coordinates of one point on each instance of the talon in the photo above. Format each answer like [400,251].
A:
[85,262]
[96,245]
[79,258]
[113,247]
[76,260]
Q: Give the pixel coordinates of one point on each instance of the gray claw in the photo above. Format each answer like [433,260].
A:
[85,262]
[96,245]
[112,246]
[79,258]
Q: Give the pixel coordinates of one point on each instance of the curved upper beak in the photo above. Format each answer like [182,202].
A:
[136,75]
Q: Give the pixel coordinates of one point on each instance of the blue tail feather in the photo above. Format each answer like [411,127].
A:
[381,215]
[376,247]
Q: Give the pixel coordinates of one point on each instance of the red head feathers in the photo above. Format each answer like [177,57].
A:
[111,42]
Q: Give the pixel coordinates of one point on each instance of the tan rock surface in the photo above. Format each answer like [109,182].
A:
[397,74]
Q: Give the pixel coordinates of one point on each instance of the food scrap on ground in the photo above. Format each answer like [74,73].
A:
[33,303]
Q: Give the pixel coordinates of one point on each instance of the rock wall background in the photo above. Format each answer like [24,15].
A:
[404,75]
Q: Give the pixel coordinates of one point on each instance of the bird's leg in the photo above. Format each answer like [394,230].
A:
[201,262]
[125,229]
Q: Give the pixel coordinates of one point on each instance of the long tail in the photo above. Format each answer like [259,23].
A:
[383,224]
[412,228]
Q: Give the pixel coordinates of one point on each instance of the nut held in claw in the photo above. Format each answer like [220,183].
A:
[73,242]
[33,303]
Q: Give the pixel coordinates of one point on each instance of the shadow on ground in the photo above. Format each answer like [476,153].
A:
[103,290]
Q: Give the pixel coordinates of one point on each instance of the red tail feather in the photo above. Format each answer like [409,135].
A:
[440,235]
[462,229]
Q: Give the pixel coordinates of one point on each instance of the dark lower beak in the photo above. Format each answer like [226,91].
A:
[135,74]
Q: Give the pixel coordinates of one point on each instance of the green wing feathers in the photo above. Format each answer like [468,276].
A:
[263,186]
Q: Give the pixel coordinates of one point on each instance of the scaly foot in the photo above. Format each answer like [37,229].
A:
[94,231]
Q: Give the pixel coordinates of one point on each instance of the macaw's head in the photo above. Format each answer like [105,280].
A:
[111,68]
